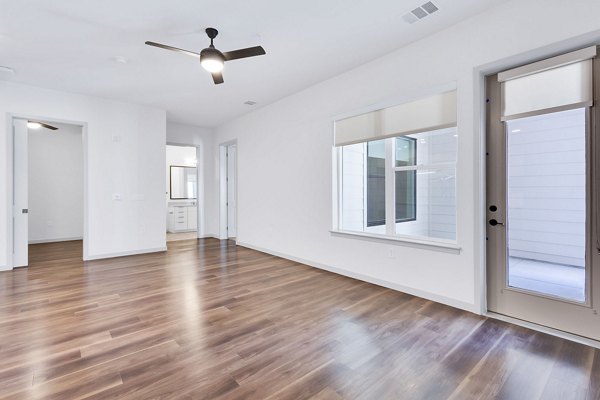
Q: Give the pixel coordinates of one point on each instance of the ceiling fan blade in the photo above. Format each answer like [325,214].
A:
[166,47]
[48,126]
[217,77]
[244,53]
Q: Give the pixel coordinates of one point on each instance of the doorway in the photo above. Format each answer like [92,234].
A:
[543,260]
[182,192]
[228,191]
[48,191]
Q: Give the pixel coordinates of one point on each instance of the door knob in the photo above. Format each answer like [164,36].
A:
[494,222]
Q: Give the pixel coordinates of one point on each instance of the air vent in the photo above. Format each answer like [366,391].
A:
[420,12]
[429,7]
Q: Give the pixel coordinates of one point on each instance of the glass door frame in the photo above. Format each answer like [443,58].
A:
[580,318]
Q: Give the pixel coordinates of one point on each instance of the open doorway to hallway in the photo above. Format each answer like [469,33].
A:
[48,191]
[228,191]
[181,193]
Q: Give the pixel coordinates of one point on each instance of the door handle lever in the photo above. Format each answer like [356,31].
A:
[494,222]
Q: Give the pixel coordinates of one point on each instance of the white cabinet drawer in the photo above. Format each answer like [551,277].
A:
[182,218]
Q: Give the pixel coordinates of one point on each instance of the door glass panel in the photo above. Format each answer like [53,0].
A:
[546,212]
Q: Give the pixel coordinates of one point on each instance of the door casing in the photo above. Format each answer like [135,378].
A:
[575,317]
[11,117]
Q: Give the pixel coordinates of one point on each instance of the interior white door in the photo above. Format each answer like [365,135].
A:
[231,191]
[20,194]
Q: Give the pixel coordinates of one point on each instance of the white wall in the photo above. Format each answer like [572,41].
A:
[208,194]
[55,161]
[285,156]
[125,155]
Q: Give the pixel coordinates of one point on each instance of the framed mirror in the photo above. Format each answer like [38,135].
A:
[183,183]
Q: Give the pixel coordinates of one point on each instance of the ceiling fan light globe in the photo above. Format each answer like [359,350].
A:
[212,65]
[212,59]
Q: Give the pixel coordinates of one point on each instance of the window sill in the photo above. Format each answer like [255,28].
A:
[402,240]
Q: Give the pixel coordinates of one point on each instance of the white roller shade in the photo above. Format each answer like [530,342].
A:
[427,114]
[555,84]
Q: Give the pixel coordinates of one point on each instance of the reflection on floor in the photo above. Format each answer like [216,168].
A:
[555,279]
[181,236]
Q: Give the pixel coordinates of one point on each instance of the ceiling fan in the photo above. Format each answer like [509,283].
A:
[211,58]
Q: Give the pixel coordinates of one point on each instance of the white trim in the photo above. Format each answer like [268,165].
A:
[390,187]
[409,240]
[67,239]
[549,63]
[223,187]
[209,236]
[125,253]
[370,279]
[544,329]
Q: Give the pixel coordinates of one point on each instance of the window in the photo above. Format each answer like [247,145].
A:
[405,185]
[401,185]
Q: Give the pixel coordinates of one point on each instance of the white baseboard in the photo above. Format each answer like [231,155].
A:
[208,236]
[124,253]
[55,240]
[370,279]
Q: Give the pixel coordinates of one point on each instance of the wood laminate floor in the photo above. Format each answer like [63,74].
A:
[181,236]
[210,320]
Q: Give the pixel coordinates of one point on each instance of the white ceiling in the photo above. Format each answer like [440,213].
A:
[70,45]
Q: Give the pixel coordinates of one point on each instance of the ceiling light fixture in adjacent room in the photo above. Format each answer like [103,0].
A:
[120,60]
[38,125]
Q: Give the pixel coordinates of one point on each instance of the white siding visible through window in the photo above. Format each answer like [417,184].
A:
[546,187]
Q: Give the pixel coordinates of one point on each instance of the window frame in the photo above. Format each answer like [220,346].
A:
[390,226]
[387,170]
